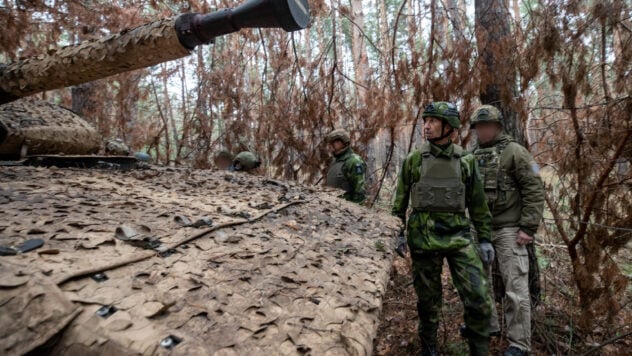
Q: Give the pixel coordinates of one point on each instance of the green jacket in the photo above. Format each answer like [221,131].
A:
[512,183]
[347,172]
[442,231]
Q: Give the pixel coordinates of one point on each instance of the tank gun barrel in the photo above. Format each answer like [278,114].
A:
[147,45]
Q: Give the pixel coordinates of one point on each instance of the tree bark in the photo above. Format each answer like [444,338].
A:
[496,48]
[360,58]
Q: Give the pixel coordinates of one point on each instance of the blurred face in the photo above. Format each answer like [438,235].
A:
[487,131]
[433,129]
[336,146]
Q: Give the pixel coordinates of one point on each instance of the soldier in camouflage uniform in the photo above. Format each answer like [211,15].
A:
[442,182]
[515,196]
[347,169]
[245,161]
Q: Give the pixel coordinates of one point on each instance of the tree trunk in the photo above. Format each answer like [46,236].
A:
[496,48]
[84,104]
[455,13]
[360,58]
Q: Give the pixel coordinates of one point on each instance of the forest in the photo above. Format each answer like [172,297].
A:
[560,71]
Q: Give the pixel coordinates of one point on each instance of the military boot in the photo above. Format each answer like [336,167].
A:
[479,346]
[514,351]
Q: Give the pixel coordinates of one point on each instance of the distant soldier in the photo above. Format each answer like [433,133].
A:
[515,196]
[245,161]
[441,181]
[347,169]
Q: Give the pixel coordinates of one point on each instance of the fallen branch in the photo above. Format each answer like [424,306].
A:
[234,223]
[607,342]
[148,254]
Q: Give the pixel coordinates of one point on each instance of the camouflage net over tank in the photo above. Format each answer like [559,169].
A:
[140,47]
[284,269]
[44,128]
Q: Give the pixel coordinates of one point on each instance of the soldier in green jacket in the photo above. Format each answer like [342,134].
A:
[441,181]
[245,161]
[347,169]
[515,196]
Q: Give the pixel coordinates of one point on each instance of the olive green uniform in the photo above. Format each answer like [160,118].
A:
[515,196]
[347,172]
[245,161]
[442,183]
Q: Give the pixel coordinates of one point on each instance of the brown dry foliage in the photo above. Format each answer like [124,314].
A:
[562,70]
[584,114]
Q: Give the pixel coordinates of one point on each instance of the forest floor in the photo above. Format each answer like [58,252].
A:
[553,321]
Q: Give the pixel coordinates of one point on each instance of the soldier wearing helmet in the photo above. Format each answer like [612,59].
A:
[441,183]
[245,161]
[515,196]
[347,169]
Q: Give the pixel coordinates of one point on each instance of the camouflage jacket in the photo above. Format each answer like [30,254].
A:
[512,183]
[442,231]
[347,172]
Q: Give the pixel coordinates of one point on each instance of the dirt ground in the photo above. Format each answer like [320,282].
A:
[554,331]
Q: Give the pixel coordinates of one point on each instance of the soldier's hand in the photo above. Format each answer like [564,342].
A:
[487,252]
[523,238]
[402,246]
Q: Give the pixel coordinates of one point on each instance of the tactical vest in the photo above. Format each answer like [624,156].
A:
[495,180]
[336,178]
[440,187]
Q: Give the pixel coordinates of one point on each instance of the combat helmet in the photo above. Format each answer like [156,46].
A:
[485,113]
[339,134]
[245,161]
[448,113]
[443,110]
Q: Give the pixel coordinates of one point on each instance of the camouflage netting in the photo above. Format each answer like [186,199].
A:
[284,269]
[140,47]
[43,128]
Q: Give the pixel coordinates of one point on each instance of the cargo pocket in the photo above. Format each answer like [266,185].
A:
[506,191]
[521,257]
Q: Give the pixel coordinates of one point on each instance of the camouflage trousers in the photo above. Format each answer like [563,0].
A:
[513,264]
[470,281]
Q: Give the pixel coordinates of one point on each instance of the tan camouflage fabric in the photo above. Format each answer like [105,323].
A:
[33,308]
[44,128]
[285,269]
[141,47]
[116,147]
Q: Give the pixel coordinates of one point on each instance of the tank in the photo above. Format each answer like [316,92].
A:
[29,127]
[168,261]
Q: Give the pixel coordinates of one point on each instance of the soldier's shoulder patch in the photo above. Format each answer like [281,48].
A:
[358,168]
